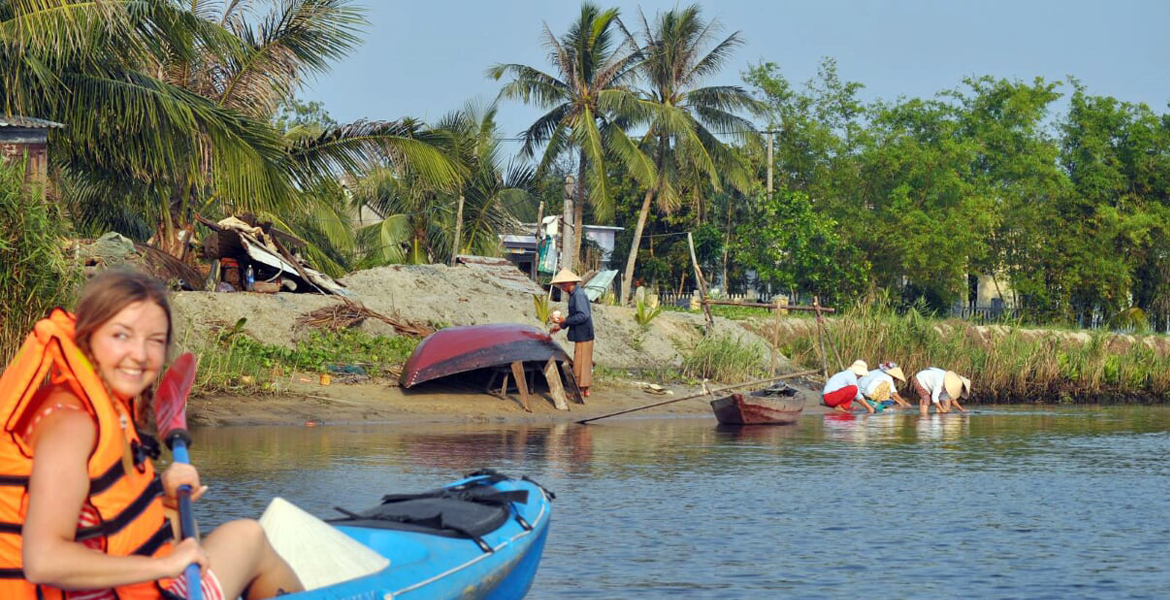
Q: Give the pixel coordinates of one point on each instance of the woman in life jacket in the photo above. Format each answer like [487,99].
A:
[123,328]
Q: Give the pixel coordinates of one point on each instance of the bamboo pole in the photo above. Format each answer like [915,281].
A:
[820,321]
[699,280]
[703,393]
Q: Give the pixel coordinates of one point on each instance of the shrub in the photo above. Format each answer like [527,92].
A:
[35,273]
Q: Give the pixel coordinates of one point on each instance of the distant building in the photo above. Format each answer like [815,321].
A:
[520,246]
[22,137]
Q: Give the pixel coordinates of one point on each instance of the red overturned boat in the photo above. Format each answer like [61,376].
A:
[773,406]
[470,347]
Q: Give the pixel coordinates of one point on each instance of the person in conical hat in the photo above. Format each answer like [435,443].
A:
[886,373]
[579,324]
[842,389]
[941,388]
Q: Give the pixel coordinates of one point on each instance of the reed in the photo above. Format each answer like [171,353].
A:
[36,273]
[1006,363]
[723,358]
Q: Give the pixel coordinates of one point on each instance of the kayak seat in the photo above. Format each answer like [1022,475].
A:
[467,512]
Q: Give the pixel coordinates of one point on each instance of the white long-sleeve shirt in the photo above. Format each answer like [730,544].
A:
[931,379]
[869,383]
[843,379]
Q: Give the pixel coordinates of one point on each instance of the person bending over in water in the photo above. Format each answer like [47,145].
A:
[941,388]
[83,507]
[842,389]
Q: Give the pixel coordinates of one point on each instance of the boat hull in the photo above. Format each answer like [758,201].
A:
[429,566]
[738,409]
[470,347]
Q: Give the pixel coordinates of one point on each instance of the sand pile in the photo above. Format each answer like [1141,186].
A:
[442,296]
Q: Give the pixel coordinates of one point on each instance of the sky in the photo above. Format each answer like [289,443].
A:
[426,58]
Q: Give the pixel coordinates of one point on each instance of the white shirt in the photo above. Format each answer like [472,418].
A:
[869,383]
[843,379]
[931,379]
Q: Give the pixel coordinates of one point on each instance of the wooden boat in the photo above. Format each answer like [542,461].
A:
[477,538]
[470,347]
[761,407]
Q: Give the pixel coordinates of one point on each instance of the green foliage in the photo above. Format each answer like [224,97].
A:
[233,359]
[723,358]
[37,275]
[543,309]
[791,245]
[645,312]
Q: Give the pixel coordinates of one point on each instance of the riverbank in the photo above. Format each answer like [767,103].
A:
[261,355]
[302,400]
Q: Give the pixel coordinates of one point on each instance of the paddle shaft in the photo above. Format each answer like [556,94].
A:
[704,393]
[177,440]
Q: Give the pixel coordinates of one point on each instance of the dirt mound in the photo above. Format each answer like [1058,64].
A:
[442,296]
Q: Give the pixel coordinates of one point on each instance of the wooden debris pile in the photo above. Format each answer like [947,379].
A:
[348,313]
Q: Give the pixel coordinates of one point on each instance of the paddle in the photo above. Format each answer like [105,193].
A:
[170,416]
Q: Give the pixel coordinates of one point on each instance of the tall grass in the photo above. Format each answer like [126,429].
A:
[35,271]
[1005,363]
[723,358]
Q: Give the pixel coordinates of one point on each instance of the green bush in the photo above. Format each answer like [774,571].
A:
[35,272]
[723,358]
[231,359]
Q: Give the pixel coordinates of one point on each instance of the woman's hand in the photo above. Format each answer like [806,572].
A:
[186,552]
[177,475]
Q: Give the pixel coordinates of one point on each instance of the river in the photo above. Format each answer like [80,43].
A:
[1010,503]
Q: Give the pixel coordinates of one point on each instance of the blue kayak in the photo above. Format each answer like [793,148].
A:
[477,538]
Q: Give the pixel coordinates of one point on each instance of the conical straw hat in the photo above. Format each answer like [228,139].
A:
[966,386]
[565,276]
[953,384]
[896,373]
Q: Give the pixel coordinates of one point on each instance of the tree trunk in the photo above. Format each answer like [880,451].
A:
[579,211]
[727,244]
[632,259]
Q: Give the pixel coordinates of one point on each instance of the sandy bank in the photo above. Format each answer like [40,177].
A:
[306,402]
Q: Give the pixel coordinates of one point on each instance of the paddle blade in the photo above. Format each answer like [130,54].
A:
[170,403]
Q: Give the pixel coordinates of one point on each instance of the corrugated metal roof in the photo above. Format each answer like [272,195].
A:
[28,122]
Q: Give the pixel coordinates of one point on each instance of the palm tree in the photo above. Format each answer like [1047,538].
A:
[587,103]
[167,107]
[685,118]
[95,67]
[419,218]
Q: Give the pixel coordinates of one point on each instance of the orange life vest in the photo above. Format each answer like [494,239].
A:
[129,503]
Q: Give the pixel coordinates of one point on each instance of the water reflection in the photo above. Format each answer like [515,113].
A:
[1040,502]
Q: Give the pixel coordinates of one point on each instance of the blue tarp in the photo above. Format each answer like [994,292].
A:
[600,282]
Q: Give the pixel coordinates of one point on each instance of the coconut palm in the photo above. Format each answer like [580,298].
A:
[167,107]
[685,118]
[420,218]
[587,103]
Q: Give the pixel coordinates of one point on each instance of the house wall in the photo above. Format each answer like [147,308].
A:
[987,292]
[38,157]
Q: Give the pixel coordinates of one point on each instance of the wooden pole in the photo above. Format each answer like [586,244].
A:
[539,225]
[458,230]
[820,322]
[775,340]
[699,280]
[703,393]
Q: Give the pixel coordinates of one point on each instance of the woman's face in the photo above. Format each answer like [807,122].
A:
[130,348]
